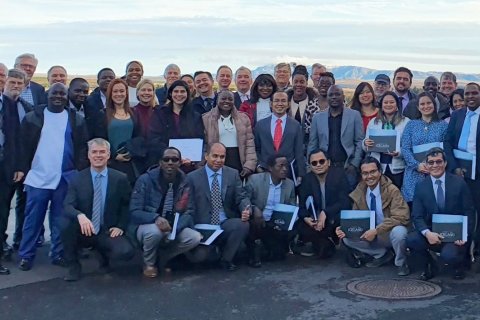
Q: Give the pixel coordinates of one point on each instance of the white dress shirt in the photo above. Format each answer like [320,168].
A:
[472,136]
[273,198]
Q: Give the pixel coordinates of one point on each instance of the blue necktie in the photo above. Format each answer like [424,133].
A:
[440,196]
[463,141]
[373,207]
[97,204]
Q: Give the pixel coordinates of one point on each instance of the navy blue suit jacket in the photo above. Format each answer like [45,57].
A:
[38,93]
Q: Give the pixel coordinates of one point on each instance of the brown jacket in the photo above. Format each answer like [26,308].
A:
[395,209]
[245,139]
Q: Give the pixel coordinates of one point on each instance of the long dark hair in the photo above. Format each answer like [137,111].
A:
[187,112]
[397,117]
[261,79]
[429,96]
[110,106]
[355,104]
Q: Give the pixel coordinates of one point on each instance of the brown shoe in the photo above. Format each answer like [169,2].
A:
[150,272]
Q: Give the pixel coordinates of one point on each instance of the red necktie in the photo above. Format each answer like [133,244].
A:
[277,135]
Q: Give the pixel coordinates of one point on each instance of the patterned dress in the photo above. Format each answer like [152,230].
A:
[418,132]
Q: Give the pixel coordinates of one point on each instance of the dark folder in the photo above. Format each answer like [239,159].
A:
[355,222]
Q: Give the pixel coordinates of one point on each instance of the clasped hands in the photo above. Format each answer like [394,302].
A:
[86,227]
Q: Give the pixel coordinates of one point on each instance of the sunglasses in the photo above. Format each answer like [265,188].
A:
[173,159]
[321,162]
[433,162]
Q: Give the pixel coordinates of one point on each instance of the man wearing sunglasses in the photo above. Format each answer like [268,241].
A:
[376,192]
[159,194]
[442,193]
[328,186]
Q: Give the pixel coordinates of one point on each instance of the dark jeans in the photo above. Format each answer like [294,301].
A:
[275,241]
[7,191]
[319,239]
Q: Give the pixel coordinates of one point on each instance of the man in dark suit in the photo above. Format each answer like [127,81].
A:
[33,92]
[430,85]
[280,134]
[171,74]
[98,97]
[402,82]
[243,82]
[441,193]
[97,207]
[328,186]
[206,99]
[218,198]
[265,190]
[463,133]
[340,132]
[12,112]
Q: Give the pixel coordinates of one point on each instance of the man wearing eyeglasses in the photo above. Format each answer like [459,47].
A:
[158,195]
[381,85]
[328,186]
[442,193]
[377,193]
[33,93]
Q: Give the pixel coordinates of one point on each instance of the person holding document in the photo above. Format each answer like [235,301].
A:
[377,193]
[158,195]
[218,198]
[175,120]
[440,193]
[389,117]
[429,128]
[265,191]
[231,127]
[463,134]
[328,188]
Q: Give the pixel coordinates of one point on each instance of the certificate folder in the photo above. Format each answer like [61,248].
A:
[420,151]
[466,161]
[173,221]
[311,207]
[190,148]
[209,232]
[355,222]
[451,227]
[284,216]
[384,140]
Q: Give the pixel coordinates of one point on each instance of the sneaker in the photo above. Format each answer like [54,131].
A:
[307,250]
[375,263]
[403,270]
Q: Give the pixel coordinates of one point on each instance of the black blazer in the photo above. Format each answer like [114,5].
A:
[79,198]
[38,93]
[458,201]
[452,136]
[199,106]
[94,120]
[95,100]
[237,100]
[291,145]
[13,139]
[336,194]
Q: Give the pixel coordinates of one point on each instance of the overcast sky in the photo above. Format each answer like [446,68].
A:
[202,34]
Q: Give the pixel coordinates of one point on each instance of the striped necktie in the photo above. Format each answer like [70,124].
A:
[97,212]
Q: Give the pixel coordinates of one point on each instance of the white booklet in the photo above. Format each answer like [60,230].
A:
[209,232]
[310,206]
[173,224]
[294,176]
[190,148]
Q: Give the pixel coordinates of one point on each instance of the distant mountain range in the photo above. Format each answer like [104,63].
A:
[366,74]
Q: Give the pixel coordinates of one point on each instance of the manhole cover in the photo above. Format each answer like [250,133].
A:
[394,288]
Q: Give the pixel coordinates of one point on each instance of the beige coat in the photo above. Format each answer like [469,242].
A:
[245,139]
[395,209]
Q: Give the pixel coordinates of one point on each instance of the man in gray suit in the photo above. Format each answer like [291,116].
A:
[340,132]
[266,190]
[280,134]
[217,197]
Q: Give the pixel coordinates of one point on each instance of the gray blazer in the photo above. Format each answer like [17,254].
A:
[233,195]
[352,135]
[291,145]
[258,187]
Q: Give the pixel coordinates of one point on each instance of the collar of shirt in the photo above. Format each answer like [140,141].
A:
[442,178]
[375,191]
[72,106]
[476,111]
[94,173]
[283,118]
[275,186]
[246,94]
[210,172]
[211,97]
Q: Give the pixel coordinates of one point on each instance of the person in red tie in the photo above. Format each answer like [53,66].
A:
[280,134]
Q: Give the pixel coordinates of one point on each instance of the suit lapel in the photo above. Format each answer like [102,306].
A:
[224,184]
[431,193]
[448,195]
[268,132]
[285,132]
[206,185]
[344,122]
[110,184]
[89,189]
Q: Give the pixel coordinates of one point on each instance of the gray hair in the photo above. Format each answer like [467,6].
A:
[4,67]
[449,75]
[243,68]
[53,67]
[17,73]
[25,56]
[99,142]
[171,66]
[318,65]
[281,65]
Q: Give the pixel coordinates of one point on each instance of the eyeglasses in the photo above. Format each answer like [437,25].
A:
[173,159]
[369,173]
[433,162]
[321,162]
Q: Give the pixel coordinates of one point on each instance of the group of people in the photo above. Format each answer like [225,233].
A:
[102,165]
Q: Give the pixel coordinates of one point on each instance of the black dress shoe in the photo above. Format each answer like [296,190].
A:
[352,259]
[4,271]
[228,265]
[60,261]
[459,274]
[25,265]
[428,273]
[74,272]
